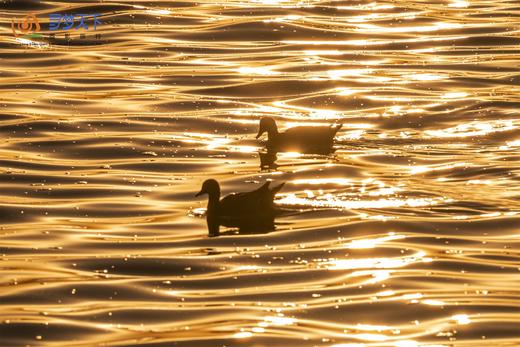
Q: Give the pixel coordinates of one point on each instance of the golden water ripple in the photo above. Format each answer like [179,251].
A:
[406,236]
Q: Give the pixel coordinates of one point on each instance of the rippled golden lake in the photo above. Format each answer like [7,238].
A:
[408,235]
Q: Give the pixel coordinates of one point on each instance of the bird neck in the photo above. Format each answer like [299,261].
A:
[213,200]
[212,214]
[272,132]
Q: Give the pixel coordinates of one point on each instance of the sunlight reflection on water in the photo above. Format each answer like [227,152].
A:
[405,236]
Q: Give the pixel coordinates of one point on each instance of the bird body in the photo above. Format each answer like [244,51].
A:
[302,139]
[252,210]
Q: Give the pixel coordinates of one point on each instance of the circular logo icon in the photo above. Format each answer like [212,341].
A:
[27,24]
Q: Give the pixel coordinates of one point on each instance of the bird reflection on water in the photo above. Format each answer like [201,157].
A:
[268,160]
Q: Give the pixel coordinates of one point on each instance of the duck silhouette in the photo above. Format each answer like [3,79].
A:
[302,139]
[249,211]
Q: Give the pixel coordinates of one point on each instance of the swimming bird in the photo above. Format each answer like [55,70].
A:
[250,210]
[302,139]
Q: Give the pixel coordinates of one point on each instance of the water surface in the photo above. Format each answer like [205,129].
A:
[406,236]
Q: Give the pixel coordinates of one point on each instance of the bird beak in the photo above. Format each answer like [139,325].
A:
[199,193]
[260,132]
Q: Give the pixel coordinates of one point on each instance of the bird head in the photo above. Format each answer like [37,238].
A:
[267,124]
[210,187]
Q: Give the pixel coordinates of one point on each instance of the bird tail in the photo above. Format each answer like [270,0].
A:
[336,127]
[264,187]
[277,188]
